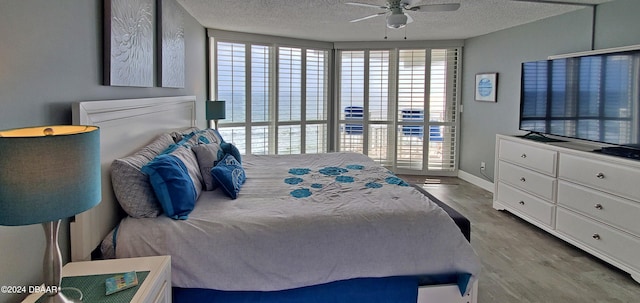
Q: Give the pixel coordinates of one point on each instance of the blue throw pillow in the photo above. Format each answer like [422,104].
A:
[174,180]
[229,174]
[228,148]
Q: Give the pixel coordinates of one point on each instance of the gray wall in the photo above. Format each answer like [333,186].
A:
[51,56]
[503,52]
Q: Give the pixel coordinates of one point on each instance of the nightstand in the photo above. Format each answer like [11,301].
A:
[156,288]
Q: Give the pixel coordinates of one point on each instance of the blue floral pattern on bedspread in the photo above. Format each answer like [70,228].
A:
[299,171]
[344,179]
[301,193]
[308,181]
[293,181]
[395,180]
[373,185]
[333,171]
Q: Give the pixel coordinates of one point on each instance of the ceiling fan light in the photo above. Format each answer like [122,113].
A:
[396,20]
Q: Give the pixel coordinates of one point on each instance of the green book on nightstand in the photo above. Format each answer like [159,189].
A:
[93,288]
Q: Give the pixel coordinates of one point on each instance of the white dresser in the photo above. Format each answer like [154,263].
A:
[588,199]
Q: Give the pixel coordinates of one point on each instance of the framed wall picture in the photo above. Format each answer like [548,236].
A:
[486,87]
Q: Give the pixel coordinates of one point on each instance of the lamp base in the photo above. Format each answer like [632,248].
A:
[53,263]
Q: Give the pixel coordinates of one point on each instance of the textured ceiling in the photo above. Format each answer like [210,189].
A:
[328,20]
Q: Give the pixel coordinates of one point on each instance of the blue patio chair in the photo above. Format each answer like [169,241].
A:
[353,113]
[435,133]
[413,115]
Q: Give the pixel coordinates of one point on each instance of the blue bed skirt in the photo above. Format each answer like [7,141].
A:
[373,290]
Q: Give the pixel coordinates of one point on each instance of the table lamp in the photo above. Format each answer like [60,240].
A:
[49,173]
[215,111]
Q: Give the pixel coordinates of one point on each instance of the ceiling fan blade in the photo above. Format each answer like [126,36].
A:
[366,5]
[435,7]
[368,17]
[576,3]
[409,19]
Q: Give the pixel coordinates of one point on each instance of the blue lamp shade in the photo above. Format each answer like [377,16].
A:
[48,173]
[216,110]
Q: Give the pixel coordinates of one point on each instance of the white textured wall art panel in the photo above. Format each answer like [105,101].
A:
[172,43]
[129,39]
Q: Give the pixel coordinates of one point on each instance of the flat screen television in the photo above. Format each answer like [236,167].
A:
[594,97]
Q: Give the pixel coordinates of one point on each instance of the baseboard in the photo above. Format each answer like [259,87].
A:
[482,183]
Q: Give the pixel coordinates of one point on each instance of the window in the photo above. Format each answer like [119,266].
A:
[284,96]
[399,107]
[276,96]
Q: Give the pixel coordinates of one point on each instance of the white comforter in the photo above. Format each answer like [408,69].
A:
[353,224]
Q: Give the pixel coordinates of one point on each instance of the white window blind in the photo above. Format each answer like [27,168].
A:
[443,110]
[316,86]
[351,105]
[411,109]
[260,101]
[232,79]
[317,74]
[289,84]
[400,107]
[276,96]
[260,83]
[379,109]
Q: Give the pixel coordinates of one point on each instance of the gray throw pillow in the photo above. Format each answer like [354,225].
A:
[131,186]
[207,155]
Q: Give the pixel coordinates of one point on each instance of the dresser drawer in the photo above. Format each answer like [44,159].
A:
[536,158]
[616,244]
[532,206]
[617,179]
[610,209]
[527,180]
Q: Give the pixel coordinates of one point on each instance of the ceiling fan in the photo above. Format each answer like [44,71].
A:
[395,10]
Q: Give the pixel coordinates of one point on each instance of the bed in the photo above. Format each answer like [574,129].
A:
[303,227]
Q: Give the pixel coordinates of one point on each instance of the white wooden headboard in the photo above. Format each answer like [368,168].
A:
[125,126]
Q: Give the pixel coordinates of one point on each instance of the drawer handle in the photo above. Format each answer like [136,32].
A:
[521,202]
[600,176]
[523,156]
[598,206]
[522,179]
[596,236]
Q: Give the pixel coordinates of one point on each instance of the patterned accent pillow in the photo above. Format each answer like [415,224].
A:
[212,135]
[230,175]
[207,155]
[176,181]
[228,148]
[178,135]
[205,136]
[131,186]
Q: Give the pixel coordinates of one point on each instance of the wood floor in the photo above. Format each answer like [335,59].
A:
[521,263]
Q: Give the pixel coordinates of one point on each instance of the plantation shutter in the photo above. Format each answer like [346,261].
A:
[276,96]
[400,107]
